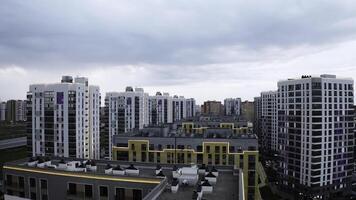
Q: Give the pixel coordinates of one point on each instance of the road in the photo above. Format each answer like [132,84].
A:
[12,143]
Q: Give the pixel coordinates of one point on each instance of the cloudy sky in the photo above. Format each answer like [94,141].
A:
[205,49]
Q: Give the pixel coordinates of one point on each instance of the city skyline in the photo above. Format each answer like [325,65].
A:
[230,45]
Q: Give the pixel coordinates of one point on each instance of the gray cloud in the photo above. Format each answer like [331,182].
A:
[175,44]
[160,32]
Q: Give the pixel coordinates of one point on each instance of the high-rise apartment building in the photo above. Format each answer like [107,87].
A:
[315,126]
[247,110]
[269,133]
[64,119]
[179,108]
[2,111]
[190,107]
[15,110]
[160,109]
[257,126]
[127,111]
[232,106]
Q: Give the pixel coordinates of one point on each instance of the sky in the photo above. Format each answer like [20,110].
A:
[205,49]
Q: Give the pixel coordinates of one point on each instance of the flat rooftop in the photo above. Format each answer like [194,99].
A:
[226,186]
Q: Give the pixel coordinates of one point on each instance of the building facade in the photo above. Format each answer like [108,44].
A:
[257,118]
[190,107]
[64,119]
[78,179]
[232,106]
[237,152]
[212,108]
[315,126]
[269,133]
[247,110]
[13,111]
[160,109]
[179,108]
[2,111]
[127,111]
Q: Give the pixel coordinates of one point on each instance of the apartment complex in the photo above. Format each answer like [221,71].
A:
[257,117]
[63,119]
[42,178]
[232,106]
[127,111]
[160,109]
[316,128]
[269,133]
[13,111]
[309,121]
[248,110]
[2,111]
[216,146]
[190,107]
[179,109]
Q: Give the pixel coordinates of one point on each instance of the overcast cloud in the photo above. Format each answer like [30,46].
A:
[205,49]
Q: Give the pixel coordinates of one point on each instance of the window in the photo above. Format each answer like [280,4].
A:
[22,194]
[137,194]
[33,195]
[44,197]
[21,182]
[120,193]
[103,191]
[8,180]
[43,184]
[72,188]
[88,191]
[32,182]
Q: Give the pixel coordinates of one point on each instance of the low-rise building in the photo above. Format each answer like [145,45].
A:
[78,179]
[215,146]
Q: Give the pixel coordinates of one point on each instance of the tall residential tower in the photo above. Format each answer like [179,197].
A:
[127,111]
[315,126]
[63,119]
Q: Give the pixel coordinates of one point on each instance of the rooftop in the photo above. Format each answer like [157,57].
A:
[164,175]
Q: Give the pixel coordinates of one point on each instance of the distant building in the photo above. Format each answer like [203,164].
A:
[212,108]
[257,126]
[232,106]
[128,111]
[13,110]
[247,110]
[179,109]
[160,109]
[197,110]
[104,133]
[190,107]
[2,111]
[63,119]
[269,134]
